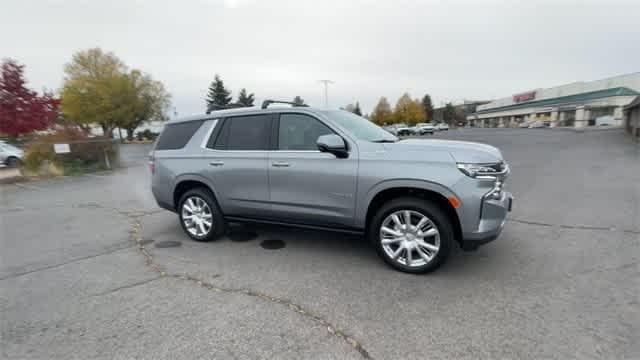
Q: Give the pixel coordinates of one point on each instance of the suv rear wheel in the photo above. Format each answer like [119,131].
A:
[200,215]
[411,234]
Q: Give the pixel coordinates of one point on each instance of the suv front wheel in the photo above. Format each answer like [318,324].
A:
[411,234]
[200,215]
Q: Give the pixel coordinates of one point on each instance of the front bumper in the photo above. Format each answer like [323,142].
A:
[492,218]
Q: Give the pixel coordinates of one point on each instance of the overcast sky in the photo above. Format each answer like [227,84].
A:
[453,50]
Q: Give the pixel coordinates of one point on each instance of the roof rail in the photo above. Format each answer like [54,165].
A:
[266,103]
[224,107]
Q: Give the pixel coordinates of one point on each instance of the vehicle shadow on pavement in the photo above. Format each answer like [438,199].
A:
[322,248]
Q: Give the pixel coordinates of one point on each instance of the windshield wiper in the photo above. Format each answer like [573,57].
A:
[384,141]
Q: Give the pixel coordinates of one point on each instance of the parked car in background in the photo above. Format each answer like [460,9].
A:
[425,128]
[403,130]
[442,127]
[331,170]
[391,129]
[537,125]
[10,155]
[606,120]
[525,124]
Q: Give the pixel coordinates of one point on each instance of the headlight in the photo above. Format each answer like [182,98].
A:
[483,170]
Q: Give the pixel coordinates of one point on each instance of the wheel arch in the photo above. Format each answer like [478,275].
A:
[421,189]
[185,183]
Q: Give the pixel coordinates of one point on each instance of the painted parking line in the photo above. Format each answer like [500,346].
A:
[28,187]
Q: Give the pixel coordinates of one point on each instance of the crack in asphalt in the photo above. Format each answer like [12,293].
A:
[577,227]
[128,286]
[54,266]
[135,235]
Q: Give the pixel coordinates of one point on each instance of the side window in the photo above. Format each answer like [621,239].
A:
[300,132]
[176,136]
[245,133]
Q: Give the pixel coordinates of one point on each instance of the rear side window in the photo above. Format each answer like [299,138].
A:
[245,133]
[176,136]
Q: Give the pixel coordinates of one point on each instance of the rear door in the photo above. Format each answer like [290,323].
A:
[308,186]
[236,164]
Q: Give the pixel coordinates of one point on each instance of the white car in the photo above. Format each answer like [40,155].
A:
[391,129]
[525,124]
[10,155]
[425,128]
[403,131]
[536,125]
[442,126]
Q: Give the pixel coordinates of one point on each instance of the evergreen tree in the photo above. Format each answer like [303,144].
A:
[449,114]
[245,99]
[298,100]
[428,107]
[357,110]
[218,95]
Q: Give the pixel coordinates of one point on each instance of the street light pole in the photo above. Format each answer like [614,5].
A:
[326,96]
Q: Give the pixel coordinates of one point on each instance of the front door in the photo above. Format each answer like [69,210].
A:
[236,164]
[308,186]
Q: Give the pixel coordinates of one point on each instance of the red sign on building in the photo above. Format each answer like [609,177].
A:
[525,96]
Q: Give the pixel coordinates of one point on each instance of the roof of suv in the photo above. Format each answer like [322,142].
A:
[246,111]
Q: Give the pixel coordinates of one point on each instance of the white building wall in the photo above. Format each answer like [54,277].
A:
[611,101]
[631,81]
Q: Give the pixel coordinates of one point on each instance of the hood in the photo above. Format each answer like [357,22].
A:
[462,151]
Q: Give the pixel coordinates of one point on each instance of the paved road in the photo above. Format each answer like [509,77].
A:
[81,276]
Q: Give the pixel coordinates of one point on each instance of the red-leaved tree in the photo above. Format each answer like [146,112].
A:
[22,110]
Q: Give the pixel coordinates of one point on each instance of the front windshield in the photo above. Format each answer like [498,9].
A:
[360,127]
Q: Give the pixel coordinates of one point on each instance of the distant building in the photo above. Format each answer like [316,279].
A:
[578,104]
[632,118]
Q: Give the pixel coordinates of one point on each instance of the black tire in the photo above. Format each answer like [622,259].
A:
[219,225]
[13,161]
[426,208]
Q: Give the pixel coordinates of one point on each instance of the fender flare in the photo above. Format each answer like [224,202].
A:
[198,178]
[363,206]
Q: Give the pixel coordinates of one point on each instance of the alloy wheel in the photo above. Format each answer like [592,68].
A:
[409,238]
[197,216]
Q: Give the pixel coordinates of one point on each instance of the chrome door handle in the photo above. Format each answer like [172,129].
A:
[216,163]
[280,164]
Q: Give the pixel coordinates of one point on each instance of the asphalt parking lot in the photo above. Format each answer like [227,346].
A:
[91,268]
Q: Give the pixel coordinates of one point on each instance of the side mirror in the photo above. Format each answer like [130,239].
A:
[334,144]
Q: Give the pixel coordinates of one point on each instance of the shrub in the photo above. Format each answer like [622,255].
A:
[36,154]
[86,154]
[146,134]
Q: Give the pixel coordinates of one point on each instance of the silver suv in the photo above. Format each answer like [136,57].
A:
[330,169]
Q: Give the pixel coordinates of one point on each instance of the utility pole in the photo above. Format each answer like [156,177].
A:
[326,95]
